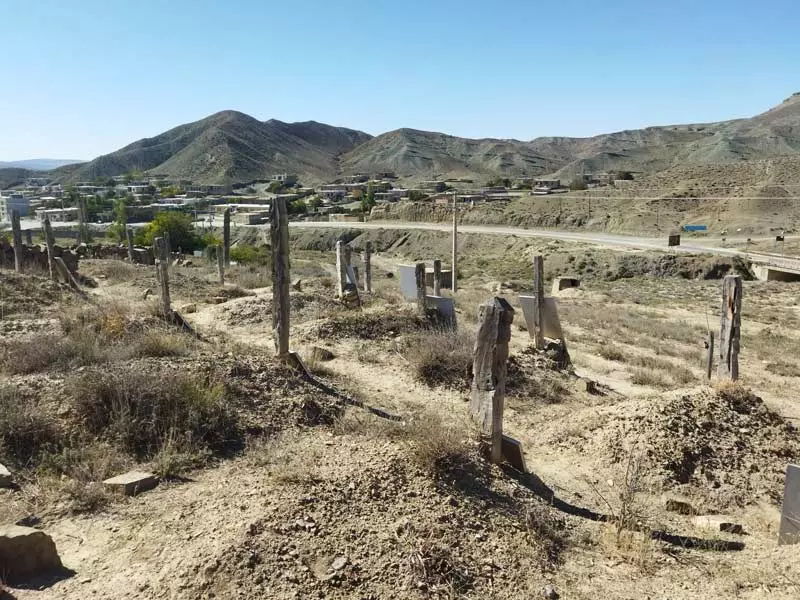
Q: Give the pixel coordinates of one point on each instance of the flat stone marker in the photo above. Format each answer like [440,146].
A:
[551,326]
[408,282]
[26,553]
[718,523]
[132,483]
[512,453]
[446,307]
[5,477]
[789,532]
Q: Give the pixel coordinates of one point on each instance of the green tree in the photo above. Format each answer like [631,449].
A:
[298,207]
[275,187]
[368,200]
[117,229]
[314,203]
[181,231]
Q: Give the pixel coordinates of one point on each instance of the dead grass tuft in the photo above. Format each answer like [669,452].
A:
[441,358]
[26,430]
[437,447]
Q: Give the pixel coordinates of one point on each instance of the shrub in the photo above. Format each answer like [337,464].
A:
[438,447]
[256,255]
[441,358]
[26,431]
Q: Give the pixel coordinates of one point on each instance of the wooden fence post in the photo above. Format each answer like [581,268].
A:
[341,269]
[710,358]
[489,370]
[538,307]
[454,277]
[730,327]
[221,264]
[226,237]
[16,236]
[61,266]
[279,229]
[49,243]
[368,267]
[29,237]
[162,267]
[129,238]
[82,233]
[419,276]
[437,277]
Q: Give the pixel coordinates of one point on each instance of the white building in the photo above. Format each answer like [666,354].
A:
[58,215]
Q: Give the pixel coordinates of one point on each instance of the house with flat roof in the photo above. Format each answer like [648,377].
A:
[57,215]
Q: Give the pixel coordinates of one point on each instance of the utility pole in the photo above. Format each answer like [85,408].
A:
[454,277]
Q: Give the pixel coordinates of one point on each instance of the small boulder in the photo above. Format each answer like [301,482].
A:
[26,553]
[679,506]
[188,309]
[718,523]
[132,483]
[5,477]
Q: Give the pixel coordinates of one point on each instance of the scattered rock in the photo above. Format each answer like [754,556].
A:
[549,591]
[26,553]
[218,299]
[146,294]
[297,285]
[339,563]
[189,309]
[679,506]
[132,483]
[5,477]
[321,354]
[718,523]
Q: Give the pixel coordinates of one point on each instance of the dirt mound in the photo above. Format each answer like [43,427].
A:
[379,528]
[727,445]
[372,326]
[31,295]
[304,307]
[685,267]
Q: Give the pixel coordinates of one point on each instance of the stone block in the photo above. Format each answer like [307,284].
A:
[5,477]
[512,453]
[789,532]
[718,523]
[26,553]
[132,483]
[408,282]
[445,307]
[563,283]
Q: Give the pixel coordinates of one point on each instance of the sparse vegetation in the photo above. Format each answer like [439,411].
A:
[441,358]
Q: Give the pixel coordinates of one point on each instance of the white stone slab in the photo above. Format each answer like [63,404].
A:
[789,532]
[550,323]
[408,281]
[446,307]
[132,483]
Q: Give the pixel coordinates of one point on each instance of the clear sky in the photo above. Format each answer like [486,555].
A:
[84,77]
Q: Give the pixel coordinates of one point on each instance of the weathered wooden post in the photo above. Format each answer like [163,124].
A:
[437,277]
[341,268]
[454,276]
[368,267]
[61,267]
[419,277]
[29,237]
[226,237]
[710,358]
[489,371]
[220,264]
[49,243]
[162,268]
[16,236]
[730,327]
[538,307]
[82,209]
[129,238]
[279,229]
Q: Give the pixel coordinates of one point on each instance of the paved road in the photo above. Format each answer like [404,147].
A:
[595,238]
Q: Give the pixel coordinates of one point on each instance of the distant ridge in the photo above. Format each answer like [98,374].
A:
[39,164]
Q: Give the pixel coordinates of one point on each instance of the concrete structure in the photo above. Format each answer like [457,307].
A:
[433,186]
[208,189]
[132,483]
[332,193]
[57,215]
[776,273]
[285,178]
[392,195]
[14,201]
[563,283]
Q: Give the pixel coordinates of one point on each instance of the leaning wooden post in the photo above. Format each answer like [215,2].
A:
[368,267]
[341,269]
[16,235]
[489,371]
[221,264]
[538,307]
[710,359]
[730,328]
[129,238]
[419,276]
[162,268]
[61,267]
[49,243]
[454,277]
[437,277]
[226,237]
[279,229]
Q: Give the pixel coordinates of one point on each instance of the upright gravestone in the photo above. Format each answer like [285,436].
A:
[730,327]
[789,532]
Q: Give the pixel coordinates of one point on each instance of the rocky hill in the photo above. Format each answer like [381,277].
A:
[231,147]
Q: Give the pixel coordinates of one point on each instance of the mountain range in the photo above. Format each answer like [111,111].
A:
[38,164]
[232,147]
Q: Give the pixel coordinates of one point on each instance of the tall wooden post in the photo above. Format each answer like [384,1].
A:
[29,237]
[710,359]
[82,209]
[49,243]
[226,236]
[16,236]
[419,277]
[368,267]
[162,266]
[61,267]
[220,264]
[730,328]
[454,277]
[129,238]
[437,277]
[279,229]
[538,308]
[489,370]
[341,269]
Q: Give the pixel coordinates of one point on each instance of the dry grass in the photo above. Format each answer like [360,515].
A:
[441,358]
[437,446]
[26,430]
[249,277]
[119,271]
[286,459]
[651,378]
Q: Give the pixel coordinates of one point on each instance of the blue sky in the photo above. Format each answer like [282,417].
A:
[85,77]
